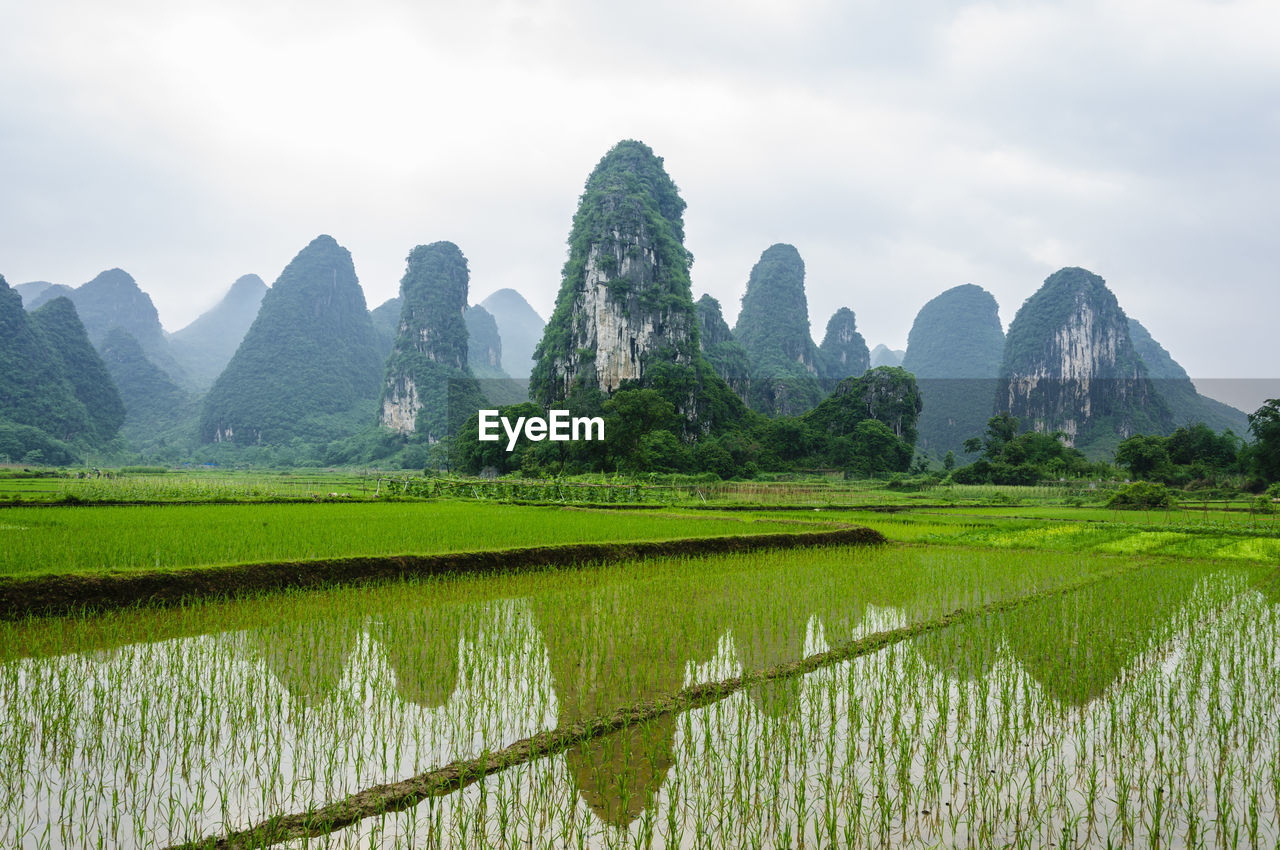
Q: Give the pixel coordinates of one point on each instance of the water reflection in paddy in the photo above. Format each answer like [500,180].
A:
[1037,716]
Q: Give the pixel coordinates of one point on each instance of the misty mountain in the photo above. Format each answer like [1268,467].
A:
[155,405]
[204,347]
[1172,382]
[954,350]
[883,355]
[386,321]
[308,367]
[113,299]
[484,357]
[520,327]
[34,293]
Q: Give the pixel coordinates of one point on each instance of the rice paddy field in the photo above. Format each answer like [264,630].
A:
[121,538]
[1002,676]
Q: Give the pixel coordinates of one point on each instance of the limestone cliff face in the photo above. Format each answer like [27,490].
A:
[844,351]
[400,405]
[624,316]
[620,328]
[427,373]
[619,317]
[1070,365]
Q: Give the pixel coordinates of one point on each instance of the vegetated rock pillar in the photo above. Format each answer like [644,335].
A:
[624,315]
[844,351]
[773,327]
[626,292]
[428,362]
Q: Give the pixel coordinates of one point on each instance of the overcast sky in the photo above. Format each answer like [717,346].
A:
[903,148]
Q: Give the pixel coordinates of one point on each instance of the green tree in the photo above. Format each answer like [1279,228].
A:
[710,456]
[661,451]
[877,450]
[629,415]
[1012,458]
[1001,430]
[1143,455]
[1264,424]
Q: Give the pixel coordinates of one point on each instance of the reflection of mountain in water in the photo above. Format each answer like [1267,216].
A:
[632,643]
[308,657]
[766,635]
[590,648]
[610,648]
[424,646]
[1075,645]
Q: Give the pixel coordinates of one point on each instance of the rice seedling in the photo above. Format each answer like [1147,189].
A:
[53,540]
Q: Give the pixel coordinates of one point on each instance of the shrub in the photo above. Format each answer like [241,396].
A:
[1141,495]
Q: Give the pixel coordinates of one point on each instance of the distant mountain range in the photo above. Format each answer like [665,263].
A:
[113,299]
[306,364]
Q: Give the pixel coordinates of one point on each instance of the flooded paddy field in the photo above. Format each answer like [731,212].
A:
[953,695]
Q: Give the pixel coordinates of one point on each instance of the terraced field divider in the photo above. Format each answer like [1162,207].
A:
[442,781]
[73,594]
